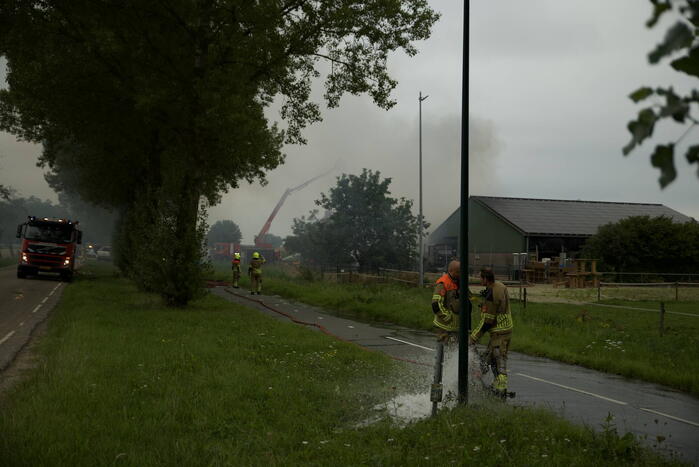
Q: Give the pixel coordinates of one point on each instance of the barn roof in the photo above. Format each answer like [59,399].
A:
[555,217]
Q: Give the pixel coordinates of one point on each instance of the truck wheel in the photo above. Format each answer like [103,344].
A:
[67,277]
[21,274]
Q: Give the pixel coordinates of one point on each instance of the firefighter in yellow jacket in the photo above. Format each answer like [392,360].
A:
[445,303]
[255,273]
[496,320]
[235,265]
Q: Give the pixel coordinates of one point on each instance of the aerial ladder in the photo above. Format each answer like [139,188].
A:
[259,238]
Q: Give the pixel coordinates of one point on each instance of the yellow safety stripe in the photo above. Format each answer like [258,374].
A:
[440,301]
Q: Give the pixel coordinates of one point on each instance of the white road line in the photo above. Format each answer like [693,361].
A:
[670,416]
[409,343]
[37,308]
[21,323]
[44,300]
[574,389]
[7,336]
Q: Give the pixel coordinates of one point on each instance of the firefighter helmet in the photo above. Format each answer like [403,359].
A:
[255,255]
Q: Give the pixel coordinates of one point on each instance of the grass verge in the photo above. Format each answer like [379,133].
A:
[126,381]
[620,341]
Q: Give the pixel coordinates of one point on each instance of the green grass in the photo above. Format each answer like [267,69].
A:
[624,342]
[126,381]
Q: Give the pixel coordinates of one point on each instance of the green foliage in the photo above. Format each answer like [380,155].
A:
[225,231]
[156,107]
[680,38]
[364,226]
[645,244]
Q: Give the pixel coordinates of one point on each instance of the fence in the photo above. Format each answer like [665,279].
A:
[649,277]
[652,289]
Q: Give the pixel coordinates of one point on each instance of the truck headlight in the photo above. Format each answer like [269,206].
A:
[66,262]
[24,258]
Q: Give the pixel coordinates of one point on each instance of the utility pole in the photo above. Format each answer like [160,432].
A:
[421,276]
[465,303]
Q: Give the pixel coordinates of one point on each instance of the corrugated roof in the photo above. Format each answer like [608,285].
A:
[566,217]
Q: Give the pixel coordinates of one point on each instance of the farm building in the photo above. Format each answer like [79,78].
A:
[542,228]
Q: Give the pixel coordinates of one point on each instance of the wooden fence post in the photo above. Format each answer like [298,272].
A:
[525,297]
[662,318]
[599,290]
[677,291]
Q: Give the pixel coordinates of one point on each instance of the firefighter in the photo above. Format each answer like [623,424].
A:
[255,273]
[235,265]
[496,320]
[445,303]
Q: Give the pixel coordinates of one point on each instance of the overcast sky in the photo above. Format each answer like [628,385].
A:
[549,81]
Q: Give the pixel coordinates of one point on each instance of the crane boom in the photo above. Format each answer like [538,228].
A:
[265,228]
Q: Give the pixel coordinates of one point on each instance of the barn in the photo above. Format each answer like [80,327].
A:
[500,227]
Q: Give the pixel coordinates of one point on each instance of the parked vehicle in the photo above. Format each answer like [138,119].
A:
[104,253]
[48,246]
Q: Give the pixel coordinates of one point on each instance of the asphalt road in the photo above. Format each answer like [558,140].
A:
[24,303]
[663,418]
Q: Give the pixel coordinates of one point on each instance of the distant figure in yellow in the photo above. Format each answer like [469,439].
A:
[255,273]
[235,265]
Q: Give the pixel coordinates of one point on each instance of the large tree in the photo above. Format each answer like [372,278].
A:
[682,42]
[161,105]
[364,225]
[645,244]
[225,231]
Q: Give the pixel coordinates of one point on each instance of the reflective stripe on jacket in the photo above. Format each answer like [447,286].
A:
[445,304]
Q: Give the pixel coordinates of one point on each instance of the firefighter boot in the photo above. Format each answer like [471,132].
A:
[500,386]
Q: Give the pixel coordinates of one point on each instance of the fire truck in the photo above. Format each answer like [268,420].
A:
[48,246]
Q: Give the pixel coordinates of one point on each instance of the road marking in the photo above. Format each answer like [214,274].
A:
[9,334]
[44,300]
[574,389]
[670,416]
[21,323]
[409,343]
[54,289]
[37,308]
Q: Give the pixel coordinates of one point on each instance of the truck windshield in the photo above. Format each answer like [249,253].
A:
[50,233]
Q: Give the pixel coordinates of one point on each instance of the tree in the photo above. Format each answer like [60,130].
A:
[681,39]
[160,106]
[224,231]
[365,225]
[645,244]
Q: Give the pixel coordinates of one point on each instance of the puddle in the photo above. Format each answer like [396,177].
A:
[410,406]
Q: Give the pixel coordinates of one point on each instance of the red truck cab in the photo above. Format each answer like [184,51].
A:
[48,246]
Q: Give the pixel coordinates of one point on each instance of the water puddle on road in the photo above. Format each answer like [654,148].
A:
[411,406]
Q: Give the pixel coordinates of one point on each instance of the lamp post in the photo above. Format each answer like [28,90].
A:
[421,276]
[465,304]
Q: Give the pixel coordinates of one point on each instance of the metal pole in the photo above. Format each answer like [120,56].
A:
[421,276]
[465,303]
[662,318]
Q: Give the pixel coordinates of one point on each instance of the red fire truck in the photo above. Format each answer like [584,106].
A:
[48,246]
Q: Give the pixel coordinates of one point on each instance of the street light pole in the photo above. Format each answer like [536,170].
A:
[421,277]
[465,303]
